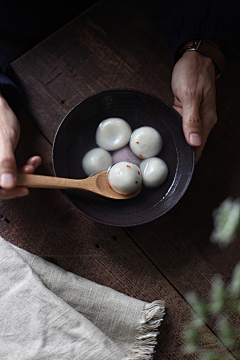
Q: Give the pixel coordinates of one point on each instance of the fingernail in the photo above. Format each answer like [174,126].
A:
[37,163]
[7,181]
[195,139]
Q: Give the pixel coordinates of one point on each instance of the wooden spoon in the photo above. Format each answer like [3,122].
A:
[97,184]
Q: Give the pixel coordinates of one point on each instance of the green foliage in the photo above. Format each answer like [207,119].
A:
[220,298]
[226,222]
[227,332]
[223,299]
[218,295]
[209,355]
[200,309]
[192,338]
[235,284]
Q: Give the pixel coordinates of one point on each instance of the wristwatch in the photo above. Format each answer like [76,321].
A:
[208,48]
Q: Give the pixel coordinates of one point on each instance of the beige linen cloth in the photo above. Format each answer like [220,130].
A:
[49,313]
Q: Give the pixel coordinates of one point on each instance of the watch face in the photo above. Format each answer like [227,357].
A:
[196,45]
[190,45]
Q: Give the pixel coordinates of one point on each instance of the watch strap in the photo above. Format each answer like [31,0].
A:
[208,48]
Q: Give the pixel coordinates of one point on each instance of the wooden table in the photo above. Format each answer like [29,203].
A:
[120,46]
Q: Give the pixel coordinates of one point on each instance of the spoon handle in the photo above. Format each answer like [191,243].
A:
[96,184]
[50,182]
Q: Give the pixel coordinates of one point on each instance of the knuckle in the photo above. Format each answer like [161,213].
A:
[194,121]
[6,162]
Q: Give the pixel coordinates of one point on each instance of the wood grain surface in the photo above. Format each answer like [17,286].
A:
[118,45]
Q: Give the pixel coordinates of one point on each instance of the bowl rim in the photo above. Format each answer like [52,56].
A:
[144,221]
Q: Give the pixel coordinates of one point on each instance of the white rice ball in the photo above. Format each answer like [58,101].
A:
[125,177]
[113,133]
[96,160]
[154,172]
[146,142]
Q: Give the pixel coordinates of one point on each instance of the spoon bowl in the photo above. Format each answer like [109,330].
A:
[96,184]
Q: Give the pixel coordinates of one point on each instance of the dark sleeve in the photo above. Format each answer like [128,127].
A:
[8,88]
[184,20]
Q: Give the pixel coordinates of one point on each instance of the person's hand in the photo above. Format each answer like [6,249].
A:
[9,136]
[193,86]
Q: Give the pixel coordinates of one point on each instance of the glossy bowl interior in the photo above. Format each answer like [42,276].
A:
[76,135]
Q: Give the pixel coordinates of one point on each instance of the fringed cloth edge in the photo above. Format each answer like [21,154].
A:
[146,340]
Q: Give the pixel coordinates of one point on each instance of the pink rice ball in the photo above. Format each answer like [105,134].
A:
[125,154]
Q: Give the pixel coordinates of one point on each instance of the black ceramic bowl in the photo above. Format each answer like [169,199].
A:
[76,135]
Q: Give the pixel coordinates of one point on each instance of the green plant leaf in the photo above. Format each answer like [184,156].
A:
[199,307]
[219,295]
[235,283]
[227,332]
[192,337]
[226,222]
[209,355]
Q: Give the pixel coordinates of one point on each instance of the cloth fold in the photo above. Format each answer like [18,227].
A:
[49,313]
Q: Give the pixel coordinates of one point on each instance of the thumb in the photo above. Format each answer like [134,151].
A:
[192,126]
[8,168]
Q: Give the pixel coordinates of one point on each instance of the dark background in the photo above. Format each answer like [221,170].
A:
[23,24]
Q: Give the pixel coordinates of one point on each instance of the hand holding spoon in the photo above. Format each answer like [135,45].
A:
[97,184]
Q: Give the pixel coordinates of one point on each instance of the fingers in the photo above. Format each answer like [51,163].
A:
[197,128]
[177,106]
[9,135]
[31,165]
[191,120]
[19,191]
[8,169]
[192,126]
[198,153]
[11,194]
[208,123]
[193,85]
[196,122]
